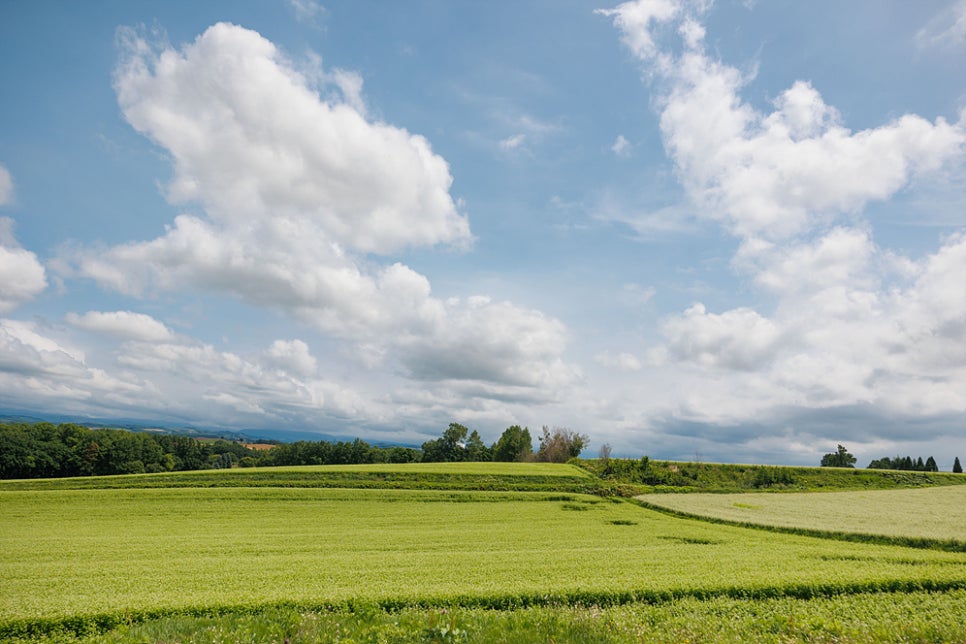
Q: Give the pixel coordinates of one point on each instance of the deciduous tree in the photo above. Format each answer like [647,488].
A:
[515,444]
[560,445]
[841,458]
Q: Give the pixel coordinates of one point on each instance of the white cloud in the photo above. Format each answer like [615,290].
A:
[6,187]
[621,147]
[122,324]
[947,28]
[36,369]
[308,11]
[22,276]
[512,142]
[842,256]
[898,347]
[291,356]
[249,137]
[636,20]
[169,378]
[737,339]
[773,175]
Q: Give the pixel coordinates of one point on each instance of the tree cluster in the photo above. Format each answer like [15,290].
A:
[45,450]
[515,444]
[905,463]
[840,458]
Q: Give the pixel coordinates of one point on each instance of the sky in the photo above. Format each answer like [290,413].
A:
[722,231]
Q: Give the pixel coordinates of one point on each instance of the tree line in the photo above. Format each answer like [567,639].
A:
[45,450]
[905,463]
[842,458]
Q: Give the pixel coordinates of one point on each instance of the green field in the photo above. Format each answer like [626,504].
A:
[138,556]
[533,477]
[916,514]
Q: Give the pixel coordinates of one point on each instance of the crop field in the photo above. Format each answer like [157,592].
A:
[930,514]
[300,562]
[436,476]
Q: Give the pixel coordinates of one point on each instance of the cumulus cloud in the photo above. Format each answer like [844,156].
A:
[250,138]
[737,339]
[6,187]
[22,276]
[122,324]
[300,195]
[777,174]
[291,356]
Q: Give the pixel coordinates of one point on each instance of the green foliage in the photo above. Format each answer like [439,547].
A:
[449,447]
[957,468]
[475,449]
[515,444]
[43,450]
[841,458]
[687,476]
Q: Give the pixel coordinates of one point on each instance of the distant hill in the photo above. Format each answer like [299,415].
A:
[248,435]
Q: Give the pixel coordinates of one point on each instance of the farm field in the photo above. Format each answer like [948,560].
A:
[205,563]
[920,514]
[436,476]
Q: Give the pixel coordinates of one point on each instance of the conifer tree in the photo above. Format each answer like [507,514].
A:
[957,468]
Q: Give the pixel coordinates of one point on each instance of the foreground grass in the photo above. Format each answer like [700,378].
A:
[84,559]
[930,516]
[908,617]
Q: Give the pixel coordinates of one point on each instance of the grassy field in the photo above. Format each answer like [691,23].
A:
[533,477]
[917,514]
[210,561]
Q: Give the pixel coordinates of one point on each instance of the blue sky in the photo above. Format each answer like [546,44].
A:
[732,231]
